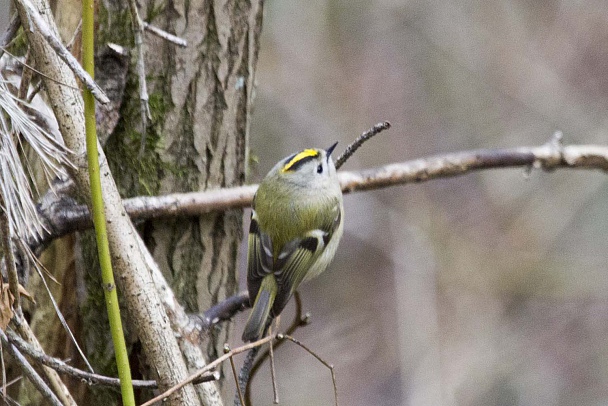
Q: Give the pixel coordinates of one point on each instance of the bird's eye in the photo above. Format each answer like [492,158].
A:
[320,168]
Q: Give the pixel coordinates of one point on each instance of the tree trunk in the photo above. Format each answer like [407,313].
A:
[200,104]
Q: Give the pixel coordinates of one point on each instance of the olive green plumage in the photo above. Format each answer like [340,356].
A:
[296,225]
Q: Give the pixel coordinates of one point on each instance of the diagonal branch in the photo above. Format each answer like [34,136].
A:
[30,372]
[9,34]
[209,367]
[88,377]
[34,18]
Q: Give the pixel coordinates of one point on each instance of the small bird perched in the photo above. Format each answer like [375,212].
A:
[296,225]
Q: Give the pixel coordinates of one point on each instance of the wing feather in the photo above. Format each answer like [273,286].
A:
[291,265]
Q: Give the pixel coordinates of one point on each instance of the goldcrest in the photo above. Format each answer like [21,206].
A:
[296,225]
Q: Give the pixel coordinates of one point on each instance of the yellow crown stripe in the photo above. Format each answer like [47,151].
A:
[301,155]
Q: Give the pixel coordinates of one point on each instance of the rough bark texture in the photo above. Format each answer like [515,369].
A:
[205,143]
[200,104]
[200,100]
[148,316]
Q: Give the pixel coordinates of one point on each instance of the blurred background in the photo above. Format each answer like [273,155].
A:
[4,14]
[487,289]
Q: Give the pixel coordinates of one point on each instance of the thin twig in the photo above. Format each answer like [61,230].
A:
[165,35]
[222,311]
[9,401]
[30,67]
[62,52]
[30,372]
[244,377]
[140,67]
[39,267]
[34,92]
[14,381]
[88,377]
[359,141]
[208,367]
[26,77]
[321,360]
[74,35]
[3,369]
[9,257]
[273,375]
[51,375]
[249,371]
[69,45]
[236,379]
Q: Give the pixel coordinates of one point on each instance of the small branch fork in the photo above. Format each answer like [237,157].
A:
[35,21]
[88,377]
[251,365]
[321,360]
[208,367]
[252,347]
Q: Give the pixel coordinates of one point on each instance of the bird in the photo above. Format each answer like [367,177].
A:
[297,220]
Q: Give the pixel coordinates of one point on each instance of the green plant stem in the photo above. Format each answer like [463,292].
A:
[103,248]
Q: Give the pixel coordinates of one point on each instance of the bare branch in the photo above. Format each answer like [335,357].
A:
[9,258]
[208,367]
[88,377]
[138,33]
[547,157]
[321,360]
[67,218]
[354,146]
[35,18]
[180,42]
[236,379]
[222,311]
[30,372]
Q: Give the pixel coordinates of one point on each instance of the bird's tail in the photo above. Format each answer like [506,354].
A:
[258,318]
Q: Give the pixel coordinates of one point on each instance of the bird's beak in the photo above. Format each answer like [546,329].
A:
[331,149]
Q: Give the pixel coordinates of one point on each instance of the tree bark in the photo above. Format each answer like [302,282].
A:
[196,139]
[148,315]
[200,102]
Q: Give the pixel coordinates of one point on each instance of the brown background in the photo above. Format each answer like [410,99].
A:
[488,289]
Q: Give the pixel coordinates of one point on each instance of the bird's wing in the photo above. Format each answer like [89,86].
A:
[292,264]
[298,256]
[259,257]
